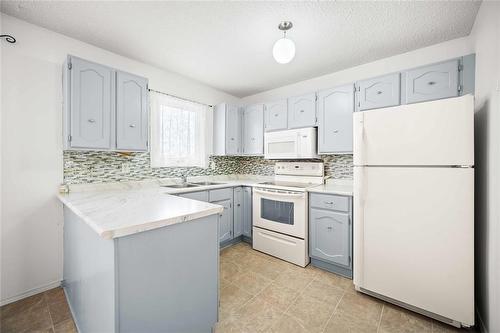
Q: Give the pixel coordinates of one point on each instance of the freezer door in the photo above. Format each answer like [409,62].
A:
[414,237]
[431,133]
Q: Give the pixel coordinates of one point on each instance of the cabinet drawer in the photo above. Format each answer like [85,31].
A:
[200,195]
[328,201]
[221,194]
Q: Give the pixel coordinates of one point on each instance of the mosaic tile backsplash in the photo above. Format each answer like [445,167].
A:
[82,167]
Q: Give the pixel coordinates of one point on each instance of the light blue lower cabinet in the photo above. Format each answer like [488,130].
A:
[247,214]
[238,212]
[235,223]
[225,221]
[330,235]
[162,280]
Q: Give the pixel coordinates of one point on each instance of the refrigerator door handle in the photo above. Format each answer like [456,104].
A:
[359,138]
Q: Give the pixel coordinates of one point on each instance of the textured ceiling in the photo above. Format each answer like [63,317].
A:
[228,45]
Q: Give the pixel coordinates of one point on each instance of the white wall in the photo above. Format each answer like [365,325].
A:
[31,154]
[443,51]
[486,40]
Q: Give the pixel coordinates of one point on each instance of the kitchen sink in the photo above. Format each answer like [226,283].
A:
[180,185]
[206,183]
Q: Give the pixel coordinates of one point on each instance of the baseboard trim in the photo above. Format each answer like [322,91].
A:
[480,323]
[30,292]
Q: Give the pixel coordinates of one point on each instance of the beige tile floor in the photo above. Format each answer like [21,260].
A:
[47,312]
[258,293]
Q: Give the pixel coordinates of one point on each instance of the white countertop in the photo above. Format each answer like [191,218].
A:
[335,186]
[125,212]
[120,209]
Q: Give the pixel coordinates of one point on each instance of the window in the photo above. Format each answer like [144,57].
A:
[179,133]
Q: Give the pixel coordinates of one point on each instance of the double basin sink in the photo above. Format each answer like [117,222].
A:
[193,184]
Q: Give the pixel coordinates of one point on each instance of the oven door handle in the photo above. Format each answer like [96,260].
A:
[289,195]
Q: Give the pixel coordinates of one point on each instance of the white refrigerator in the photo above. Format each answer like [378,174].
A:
[414,207]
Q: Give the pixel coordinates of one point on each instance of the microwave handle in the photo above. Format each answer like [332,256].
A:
[290,195]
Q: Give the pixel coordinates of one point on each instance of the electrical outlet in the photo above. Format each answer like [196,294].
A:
[125,167]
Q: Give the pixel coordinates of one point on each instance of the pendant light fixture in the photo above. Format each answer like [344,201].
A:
[284,48]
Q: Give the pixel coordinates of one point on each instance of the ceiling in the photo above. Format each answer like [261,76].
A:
[228,45]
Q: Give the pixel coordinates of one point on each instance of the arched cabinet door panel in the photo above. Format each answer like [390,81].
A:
[302,111]
[330,236]
[379,92]
[275,115]
[131,112]
[433,82]
[335,108]
[92,101]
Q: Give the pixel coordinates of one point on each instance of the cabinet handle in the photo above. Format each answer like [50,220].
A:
[275,114]
[131,126]
[91,120]
[329,202]
[232,139]
[253,139]
[329,228]
[379,92]
[238,205]
[301,111]
[431,83]
[335,131]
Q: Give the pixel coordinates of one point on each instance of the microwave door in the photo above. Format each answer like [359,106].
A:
[281,145]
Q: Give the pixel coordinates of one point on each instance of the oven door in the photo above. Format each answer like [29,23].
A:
[280,211]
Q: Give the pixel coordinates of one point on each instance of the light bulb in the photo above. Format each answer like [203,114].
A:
[284,50]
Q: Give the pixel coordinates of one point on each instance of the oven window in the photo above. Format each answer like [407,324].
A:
[276,211]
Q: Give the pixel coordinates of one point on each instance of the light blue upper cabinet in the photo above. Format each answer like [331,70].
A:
[433,82]
[379,92]
[91,104]
[302,111]
[275,115]
[253,134]
[233,130]
[335,108]
[131,112]
[227,130]
[330,236]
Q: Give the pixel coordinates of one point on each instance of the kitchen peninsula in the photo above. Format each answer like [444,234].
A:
[140,260]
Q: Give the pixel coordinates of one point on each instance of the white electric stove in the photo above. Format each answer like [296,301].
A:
[280,217]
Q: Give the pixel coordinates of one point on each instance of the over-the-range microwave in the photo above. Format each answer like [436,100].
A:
[291,144]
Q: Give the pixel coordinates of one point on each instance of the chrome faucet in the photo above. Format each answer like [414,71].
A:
[184,179]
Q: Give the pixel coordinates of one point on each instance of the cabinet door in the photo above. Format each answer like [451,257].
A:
[302,111]
[233,130]
[253,119]
[92,102]
[380,92]
[238,212]
[247,211]
[131,112]
[225,221]
[276,115]
[330,236]
[432,82]
[335,108]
